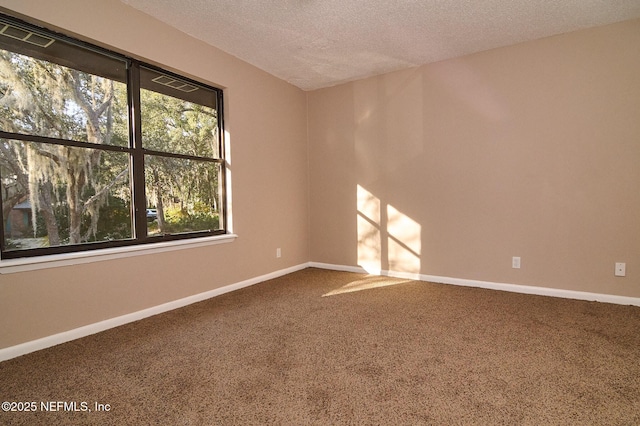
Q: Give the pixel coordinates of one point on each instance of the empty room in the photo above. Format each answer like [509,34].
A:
[319,212]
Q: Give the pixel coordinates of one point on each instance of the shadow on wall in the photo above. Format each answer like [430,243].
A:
[387,238]
[405,123]
[388,136]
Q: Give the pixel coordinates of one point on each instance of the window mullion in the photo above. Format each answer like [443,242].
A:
[137,159]
[222,183]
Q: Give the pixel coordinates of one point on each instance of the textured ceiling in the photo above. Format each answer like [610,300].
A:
[320,43]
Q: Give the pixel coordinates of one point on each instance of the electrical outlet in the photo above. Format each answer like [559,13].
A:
[621,269]
[515,262]
[278,252]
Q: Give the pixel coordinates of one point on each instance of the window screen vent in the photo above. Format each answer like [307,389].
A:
[165,80]
[24,35]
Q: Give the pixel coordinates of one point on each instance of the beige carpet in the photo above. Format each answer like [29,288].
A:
[325,347]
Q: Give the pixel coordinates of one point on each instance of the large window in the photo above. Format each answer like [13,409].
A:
[100,150]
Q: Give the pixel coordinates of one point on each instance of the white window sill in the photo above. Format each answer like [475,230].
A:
[9,266]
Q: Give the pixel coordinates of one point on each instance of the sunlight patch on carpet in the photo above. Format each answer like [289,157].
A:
[367,284]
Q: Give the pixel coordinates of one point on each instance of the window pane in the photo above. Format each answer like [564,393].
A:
[182,195]
[55,195]
[172,118]
[68,144]
[47,99]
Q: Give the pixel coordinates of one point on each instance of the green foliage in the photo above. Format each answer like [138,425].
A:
[114,222]
[192,222]
[11,245]
[175,125]
[198,218]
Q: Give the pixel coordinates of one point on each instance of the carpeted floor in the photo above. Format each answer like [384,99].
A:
[326,347]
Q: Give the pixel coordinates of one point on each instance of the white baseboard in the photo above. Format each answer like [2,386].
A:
[514,288]
[66,336]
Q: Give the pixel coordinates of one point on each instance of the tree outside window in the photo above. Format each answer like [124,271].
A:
[75,171]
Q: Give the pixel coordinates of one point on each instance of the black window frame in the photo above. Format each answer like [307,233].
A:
[135,150]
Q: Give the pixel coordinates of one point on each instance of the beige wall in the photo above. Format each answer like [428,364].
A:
[451,169]
[448,169]
[266,121]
